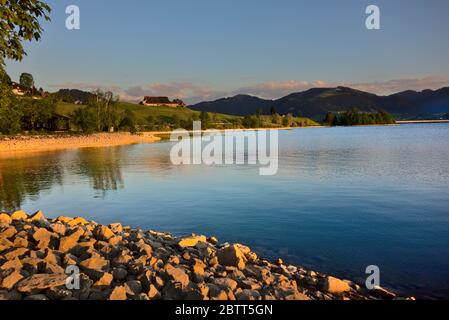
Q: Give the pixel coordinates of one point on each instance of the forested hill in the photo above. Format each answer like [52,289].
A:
[316,103]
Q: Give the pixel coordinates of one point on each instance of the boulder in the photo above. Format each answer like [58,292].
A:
[119,274]
[19,215]
[174,291]
[38,216]
[248,295]
[15,264]
[63,219]
[119,293]
[177,275]
[153,293]
[383,293]
[198,267]
[105,280]
[144,248]
[225,283]
[103,233]
[133,287]
[20,242]
[58,293]
[10,281]
[10,295]
[43,237]
[59,228]
[232,256]
[213,240]
[115,241]
[5,244]
[116,227]
[8,232]
[97,263]
[41,282]
[334,285]
[191,241]
[77,221]
[33,264]
[5,218]
[53,268]
[16,253]
[50,257]
[67,243]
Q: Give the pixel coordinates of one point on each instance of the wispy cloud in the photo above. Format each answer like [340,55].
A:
[182,90]
[192,93]
[272,90]
[394,86]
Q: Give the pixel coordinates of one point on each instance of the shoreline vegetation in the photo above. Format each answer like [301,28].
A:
[122,263]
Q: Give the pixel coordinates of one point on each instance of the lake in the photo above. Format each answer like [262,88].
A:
[343,199]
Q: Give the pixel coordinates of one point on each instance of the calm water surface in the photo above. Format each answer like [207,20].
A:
[344,198]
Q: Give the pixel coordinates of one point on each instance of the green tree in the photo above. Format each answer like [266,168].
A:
[330,119]
[19,21]
[10,115]
[276,119]
[205,120]
[27,80]
[103,105]
[36,111]
[287,121]
[84,119]
[128,123]
[273,110]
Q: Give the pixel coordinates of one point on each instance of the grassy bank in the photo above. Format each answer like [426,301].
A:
[166,118]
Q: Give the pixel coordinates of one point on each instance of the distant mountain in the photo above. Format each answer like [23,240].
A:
[73,95]
[238,105]
[315,103]
[427,103]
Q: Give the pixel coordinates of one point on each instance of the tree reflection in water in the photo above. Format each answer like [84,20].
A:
[25,177]
[102,167]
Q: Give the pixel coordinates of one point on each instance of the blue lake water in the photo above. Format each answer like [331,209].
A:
[343,199]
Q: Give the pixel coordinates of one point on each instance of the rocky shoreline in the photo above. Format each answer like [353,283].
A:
[40,257]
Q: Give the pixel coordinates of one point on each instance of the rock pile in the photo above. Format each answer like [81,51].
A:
[119,263]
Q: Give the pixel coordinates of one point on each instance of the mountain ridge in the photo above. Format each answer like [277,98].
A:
[316,102]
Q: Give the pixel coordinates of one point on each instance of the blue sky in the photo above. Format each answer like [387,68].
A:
[204,49]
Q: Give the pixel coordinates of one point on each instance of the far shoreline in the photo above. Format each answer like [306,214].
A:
[22,144]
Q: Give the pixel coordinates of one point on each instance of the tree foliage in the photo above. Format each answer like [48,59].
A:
[354,117]
[27,80]
[102,115]
[19,22]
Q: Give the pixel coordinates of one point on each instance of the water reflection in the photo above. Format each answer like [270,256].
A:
[102,167]
[344,198]
[25,177]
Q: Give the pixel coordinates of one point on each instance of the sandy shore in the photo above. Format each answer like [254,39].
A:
[21,144]
[117,262]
